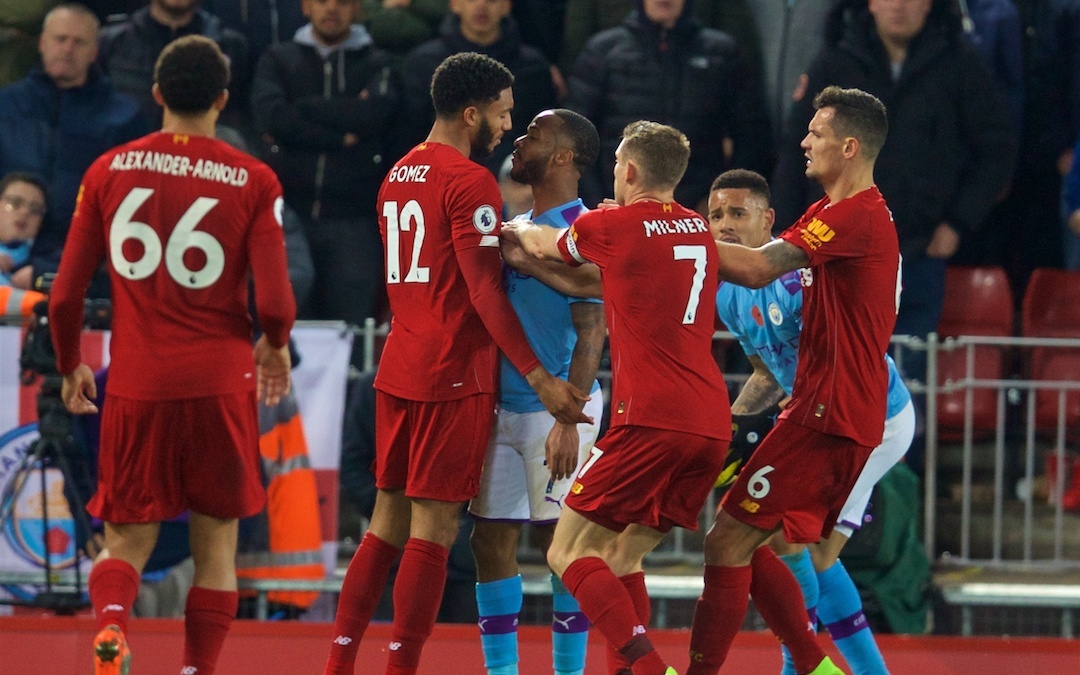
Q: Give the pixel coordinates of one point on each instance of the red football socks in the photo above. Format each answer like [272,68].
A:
[718,617]
[779,599]
[609,607]
[418,593]
[113,586]
[207,617]
[360,593]
[635,586]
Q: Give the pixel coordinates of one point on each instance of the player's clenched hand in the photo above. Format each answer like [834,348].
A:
[561,450]
[78,391]
[525,234]
[274,367]
[562,399]
[512,253]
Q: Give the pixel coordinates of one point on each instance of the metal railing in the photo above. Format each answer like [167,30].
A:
[1016,441]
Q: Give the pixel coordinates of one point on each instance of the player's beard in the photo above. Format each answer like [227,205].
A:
[481,147]
[528,172]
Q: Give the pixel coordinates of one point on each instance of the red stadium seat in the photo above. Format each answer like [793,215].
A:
[977,302]
[1052,309]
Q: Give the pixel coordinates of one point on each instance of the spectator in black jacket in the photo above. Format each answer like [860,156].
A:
[326,102]
[483,26]
[262,22]
[1051,48]
[130,48]
[661,64]
[951,144]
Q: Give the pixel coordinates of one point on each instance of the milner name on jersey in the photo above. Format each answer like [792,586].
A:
[676,226]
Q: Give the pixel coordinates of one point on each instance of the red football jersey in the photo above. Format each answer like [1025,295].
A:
[658,267]
[181,220]
[851,294]
[439,220]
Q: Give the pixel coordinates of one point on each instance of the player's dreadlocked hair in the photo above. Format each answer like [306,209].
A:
[467,79]
[584,140]
[191,73]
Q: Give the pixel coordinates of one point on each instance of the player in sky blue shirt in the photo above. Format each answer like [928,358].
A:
[545,316]
[767,322]
[531,459]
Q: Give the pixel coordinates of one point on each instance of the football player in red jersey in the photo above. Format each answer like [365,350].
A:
[670,417]
[836,415]
[436,387]
[182,220]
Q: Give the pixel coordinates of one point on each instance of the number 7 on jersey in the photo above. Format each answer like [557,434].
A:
[700,258]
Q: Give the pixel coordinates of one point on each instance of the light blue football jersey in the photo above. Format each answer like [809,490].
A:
[545,315]
[767,322]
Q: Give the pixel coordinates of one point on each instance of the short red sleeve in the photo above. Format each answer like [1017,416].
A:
[587,239]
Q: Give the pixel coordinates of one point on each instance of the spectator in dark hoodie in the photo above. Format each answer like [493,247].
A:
[326,104]
[483,26]
[661,64]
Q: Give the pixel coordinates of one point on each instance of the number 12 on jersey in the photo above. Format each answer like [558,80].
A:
[410,216]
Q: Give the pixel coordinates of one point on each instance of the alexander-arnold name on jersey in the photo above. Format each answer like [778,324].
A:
[675,226]
[179,165]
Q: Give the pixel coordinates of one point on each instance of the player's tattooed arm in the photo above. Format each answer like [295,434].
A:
[757,267]
[563,441]
[591,329]
[760,392]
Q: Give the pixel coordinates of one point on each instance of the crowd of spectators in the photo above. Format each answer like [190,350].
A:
[983,99]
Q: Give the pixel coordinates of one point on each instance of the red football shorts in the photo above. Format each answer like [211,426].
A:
[645,476]
[797,478]
[432,449]
[160,458]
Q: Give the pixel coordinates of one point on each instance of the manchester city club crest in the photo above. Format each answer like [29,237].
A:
[775,315]
[26,540]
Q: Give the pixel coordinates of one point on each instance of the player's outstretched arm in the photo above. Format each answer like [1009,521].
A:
[539,241]
[79,391]
[757,267]
[274,366]
[578,282]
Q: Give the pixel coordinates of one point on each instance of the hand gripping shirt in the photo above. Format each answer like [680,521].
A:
[182,221]
[658,267]
[851,295]
[545,317]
